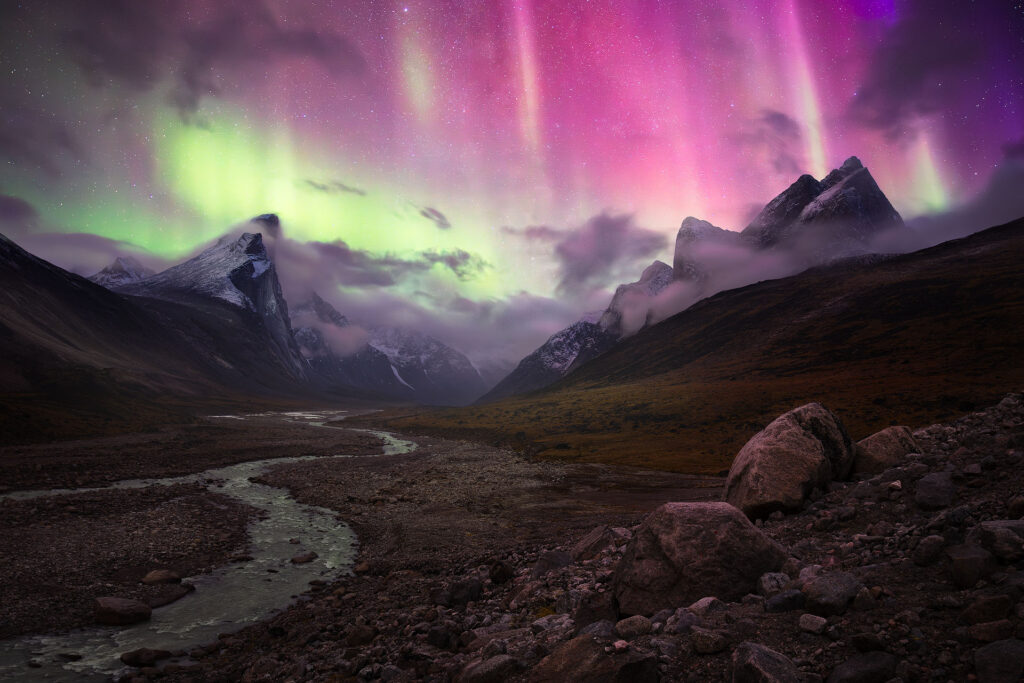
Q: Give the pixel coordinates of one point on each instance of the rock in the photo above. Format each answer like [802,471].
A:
[991,631]
[594,606]
[870,667]
[494,670]
[439,636]
[583,659]
[813,624]
[144,657]
[633,627]
[172,593]
[935,491]
[778,468]
[772,583]
[686,551]
[753,663]
[594,543]
[831,593]
[599,629]
[465,591]
[549,561]
[786,601]
[1015,508]
[500,572]
[883,450]
[360,635]
[969,564]
[304,558]
[158,576]
[706,641]
[120,611]
[867,642]
[1000,662]
[987,608]
[1004,538]
[706,605]
[928,550]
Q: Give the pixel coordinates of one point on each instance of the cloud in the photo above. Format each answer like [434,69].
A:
[16,210]
[773,138]
[604,249]
[142,44]
[436,217]
[927,58]
[464,265]
[535,233]
[334,187]
[31,136]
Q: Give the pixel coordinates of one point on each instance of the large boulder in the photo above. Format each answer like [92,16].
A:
[778,468]
[753,663]
[884,449]
[583,659]
[686,551]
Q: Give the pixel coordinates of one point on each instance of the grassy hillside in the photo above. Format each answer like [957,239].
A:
[910,339]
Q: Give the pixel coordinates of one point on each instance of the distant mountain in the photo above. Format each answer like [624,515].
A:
[435,372]
[77,358]
[122,271]
[238,272]
[628,309]
[555,358]
[898,339]
[693,233]
[391,363]
[834,217]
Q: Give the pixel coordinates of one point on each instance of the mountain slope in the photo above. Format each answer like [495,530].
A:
[122,271]
[237,272]
[902,339]
[436,373]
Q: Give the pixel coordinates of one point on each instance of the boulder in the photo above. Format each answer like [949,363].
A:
[594,543]
[1004,538]
[494,670]
[633,627]
[753,663]
[778,468]
[883,450]
[935,491]
[120,611]
[706,641]
[685,551]
[550,561]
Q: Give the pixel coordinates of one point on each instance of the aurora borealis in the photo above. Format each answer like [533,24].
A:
[444,127]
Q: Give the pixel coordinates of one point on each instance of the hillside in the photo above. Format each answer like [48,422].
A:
[903,339]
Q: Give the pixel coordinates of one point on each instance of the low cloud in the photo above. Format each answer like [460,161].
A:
[535,233]
[334,187]
[607,248]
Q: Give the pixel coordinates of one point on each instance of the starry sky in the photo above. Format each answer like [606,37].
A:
[528,155]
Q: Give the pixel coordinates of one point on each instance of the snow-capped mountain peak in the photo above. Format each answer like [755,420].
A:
[123,270]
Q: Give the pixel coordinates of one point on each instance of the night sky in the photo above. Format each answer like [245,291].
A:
[496,164]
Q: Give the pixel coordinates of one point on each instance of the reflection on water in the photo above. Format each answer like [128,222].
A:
[225,600]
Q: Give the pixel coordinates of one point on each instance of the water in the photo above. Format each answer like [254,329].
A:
[226,599]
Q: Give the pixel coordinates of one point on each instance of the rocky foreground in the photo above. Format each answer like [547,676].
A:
[895,559]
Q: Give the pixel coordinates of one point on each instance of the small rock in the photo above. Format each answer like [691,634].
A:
[884,449]
[120,611]
[786,601]
[935,491]
[704,606]
[603,629]
[158,576]
[1004,538]
[550,561]
[500,572]
[494,670]
[928,550]
[812,623]
[830,593]
[1000,662]
[991,631]
[1015,508]
[987,608]
[633,627]
[706,641]
[361,635]
[772,583]
[465,591]
[304,558]
[870,667]
[753,663]
[144,657]
[969,564]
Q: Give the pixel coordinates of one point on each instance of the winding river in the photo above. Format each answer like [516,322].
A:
[225,600]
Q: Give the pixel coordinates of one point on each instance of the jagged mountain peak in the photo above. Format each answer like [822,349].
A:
[123,270]
[323,310]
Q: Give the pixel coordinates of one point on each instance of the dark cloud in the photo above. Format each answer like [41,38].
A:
[436,217]
[535,233]
[142,44]
[773,138]
[334,187]
[16,210]
[36,138]
[603,250]
[462,263]
[927,58]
